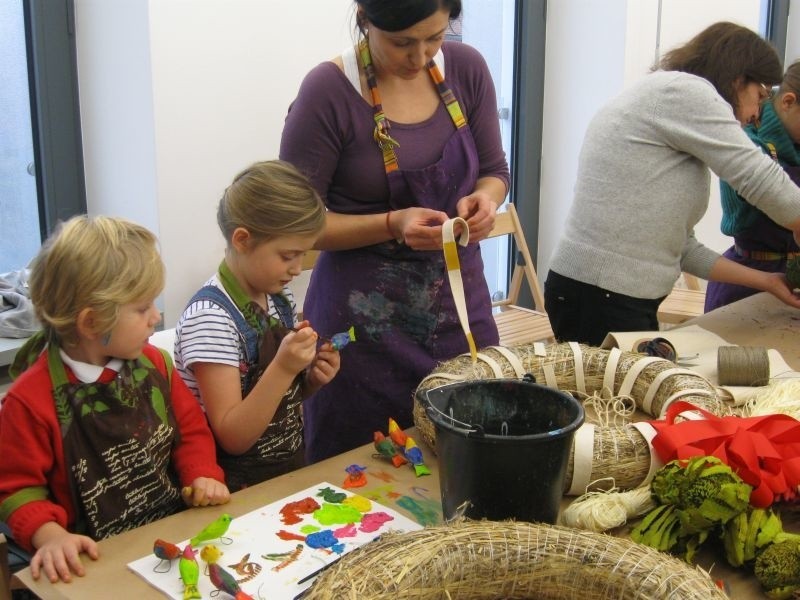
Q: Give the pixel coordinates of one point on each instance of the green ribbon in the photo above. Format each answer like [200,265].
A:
[255,316]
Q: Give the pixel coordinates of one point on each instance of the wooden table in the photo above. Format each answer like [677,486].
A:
[109,577]
[759,320]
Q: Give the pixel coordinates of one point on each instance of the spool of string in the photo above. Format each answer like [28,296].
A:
[742,365]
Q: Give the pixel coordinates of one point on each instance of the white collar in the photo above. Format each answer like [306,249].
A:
[86,372]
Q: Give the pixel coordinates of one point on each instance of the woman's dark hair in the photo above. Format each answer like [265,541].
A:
[396,15]
[725,53]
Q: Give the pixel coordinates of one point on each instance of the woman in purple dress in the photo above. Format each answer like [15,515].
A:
[397,134]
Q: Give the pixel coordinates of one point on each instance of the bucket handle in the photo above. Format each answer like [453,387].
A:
[431,409]
[472,430]
[453,421]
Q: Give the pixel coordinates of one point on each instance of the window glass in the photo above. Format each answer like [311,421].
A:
[488,25]
[20,235]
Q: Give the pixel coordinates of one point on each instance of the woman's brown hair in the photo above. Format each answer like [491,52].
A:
[726,54]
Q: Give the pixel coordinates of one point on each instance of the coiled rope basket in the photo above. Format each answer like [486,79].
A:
[484,560]
[609,456]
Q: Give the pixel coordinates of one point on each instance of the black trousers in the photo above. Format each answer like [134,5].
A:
[580,312]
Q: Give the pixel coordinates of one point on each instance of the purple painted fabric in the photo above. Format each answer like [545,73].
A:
[398,299]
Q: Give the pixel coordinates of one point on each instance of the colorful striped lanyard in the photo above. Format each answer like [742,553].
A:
[385,141]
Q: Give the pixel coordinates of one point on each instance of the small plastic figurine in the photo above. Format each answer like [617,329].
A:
[340,340]
[414,456]
[221,579]
[355,477]
[225,582]
[213,531]
[387,449]
[190,573]
[166,551]
[210,553]
[398,436]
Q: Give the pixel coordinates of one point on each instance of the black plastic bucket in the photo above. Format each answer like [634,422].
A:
[503,447]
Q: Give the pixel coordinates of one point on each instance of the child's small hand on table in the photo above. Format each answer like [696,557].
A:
[205,491]
[58,553]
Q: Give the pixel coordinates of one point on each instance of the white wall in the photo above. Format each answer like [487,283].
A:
[116,99]
[594,49]
[793,35]
[179,95]
[584,67]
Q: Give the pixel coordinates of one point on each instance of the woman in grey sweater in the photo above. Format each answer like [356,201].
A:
[643,184]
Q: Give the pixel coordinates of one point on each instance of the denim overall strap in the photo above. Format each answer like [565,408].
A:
[248,334]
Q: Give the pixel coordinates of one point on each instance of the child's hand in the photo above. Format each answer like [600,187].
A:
[58,553]
[205,491]
[324,367]
[297,349]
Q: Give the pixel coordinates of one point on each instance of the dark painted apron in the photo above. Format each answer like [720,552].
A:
[118,439]
[398,299]
[764,245]
[280,448]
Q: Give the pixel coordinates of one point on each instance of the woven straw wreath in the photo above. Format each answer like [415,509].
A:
[610,456]
[484,560]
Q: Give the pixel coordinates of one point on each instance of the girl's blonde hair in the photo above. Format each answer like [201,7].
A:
[270,199]
[99,263]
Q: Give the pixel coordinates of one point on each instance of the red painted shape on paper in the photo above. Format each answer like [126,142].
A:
[288,535]
[290,514]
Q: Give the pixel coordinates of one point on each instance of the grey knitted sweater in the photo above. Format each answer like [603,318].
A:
[643,184]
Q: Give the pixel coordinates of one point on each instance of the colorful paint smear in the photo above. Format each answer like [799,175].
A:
[361,504]
[246,569]
[425,512]
[374,521]
[290,513]
[330,495]
[337,514]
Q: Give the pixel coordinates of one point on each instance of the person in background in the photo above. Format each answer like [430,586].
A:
[98,435]
[759,242]
[643,184]
[398,134]
[237,344]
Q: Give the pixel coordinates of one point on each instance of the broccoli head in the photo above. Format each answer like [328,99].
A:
[704,489]
[777,568]
[793,272]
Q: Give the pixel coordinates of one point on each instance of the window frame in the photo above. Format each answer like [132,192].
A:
[55,110]
[777,25]
[528,119]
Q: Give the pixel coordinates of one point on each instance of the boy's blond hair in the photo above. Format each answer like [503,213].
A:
[270,199]
[99,263]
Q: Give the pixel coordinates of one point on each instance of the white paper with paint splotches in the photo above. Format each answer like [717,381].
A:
[275,551]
